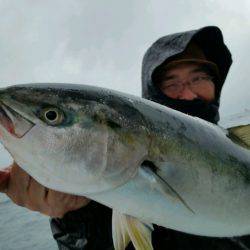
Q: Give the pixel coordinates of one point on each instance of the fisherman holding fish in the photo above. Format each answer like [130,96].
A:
[184,71]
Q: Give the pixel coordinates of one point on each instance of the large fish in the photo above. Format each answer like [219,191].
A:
[147,162]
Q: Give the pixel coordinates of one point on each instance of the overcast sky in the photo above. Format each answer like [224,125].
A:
[102,42]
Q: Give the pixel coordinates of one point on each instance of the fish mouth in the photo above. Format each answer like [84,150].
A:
[13,122]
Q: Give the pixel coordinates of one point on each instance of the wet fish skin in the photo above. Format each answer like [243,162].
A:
[198,160]
[85,121]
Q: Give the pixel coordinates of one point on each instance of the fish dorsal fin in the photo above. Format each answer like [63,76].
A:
[242,133]
[238,126]
[126,228]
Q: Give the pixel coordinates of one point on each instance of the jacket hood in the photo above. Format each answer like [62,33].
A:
[209,39]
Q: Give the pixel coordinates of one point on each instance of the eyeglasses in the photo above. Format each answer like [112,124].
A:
[175,86]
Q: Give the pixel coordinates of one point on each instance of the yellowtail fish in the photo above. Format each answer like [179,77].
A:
[149,163]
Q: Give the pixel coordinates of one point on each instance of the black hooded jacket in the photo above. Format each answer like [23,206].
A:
[210,40]
[90,226]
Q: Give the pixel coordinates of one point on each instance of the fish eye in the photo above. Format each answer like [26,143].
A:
[52,116]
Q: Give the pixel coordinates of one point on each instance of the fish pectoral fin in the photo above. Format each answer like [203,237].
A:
[241,133]
[126,228]
[160,184]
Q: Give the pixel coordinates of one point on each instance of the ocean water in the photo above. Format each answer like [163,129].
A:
[21,229]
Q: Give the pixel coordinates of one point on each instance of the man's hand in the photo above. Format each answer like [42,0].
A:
[27,192]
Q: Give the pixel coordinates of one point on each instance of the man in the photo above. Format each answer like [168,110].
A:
[186,71]
[183,71]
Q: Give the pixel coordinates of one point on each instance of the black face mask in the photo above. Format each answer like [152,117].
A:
[197,107]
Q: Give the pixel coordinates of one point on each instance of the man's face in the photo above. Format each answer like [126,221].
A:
[187,81]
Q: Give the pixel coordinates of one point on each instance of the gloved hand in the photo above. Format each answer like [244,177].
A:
[23,190]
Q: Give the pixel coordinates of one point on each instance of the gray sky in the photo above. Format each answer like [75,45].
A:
[102,42]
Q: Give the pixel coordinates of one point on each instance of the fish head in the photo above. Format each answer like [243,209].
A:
[68,138]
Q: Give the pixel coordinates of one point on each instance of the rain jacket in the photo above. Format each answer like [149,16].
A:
[210,41]
[90,226]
